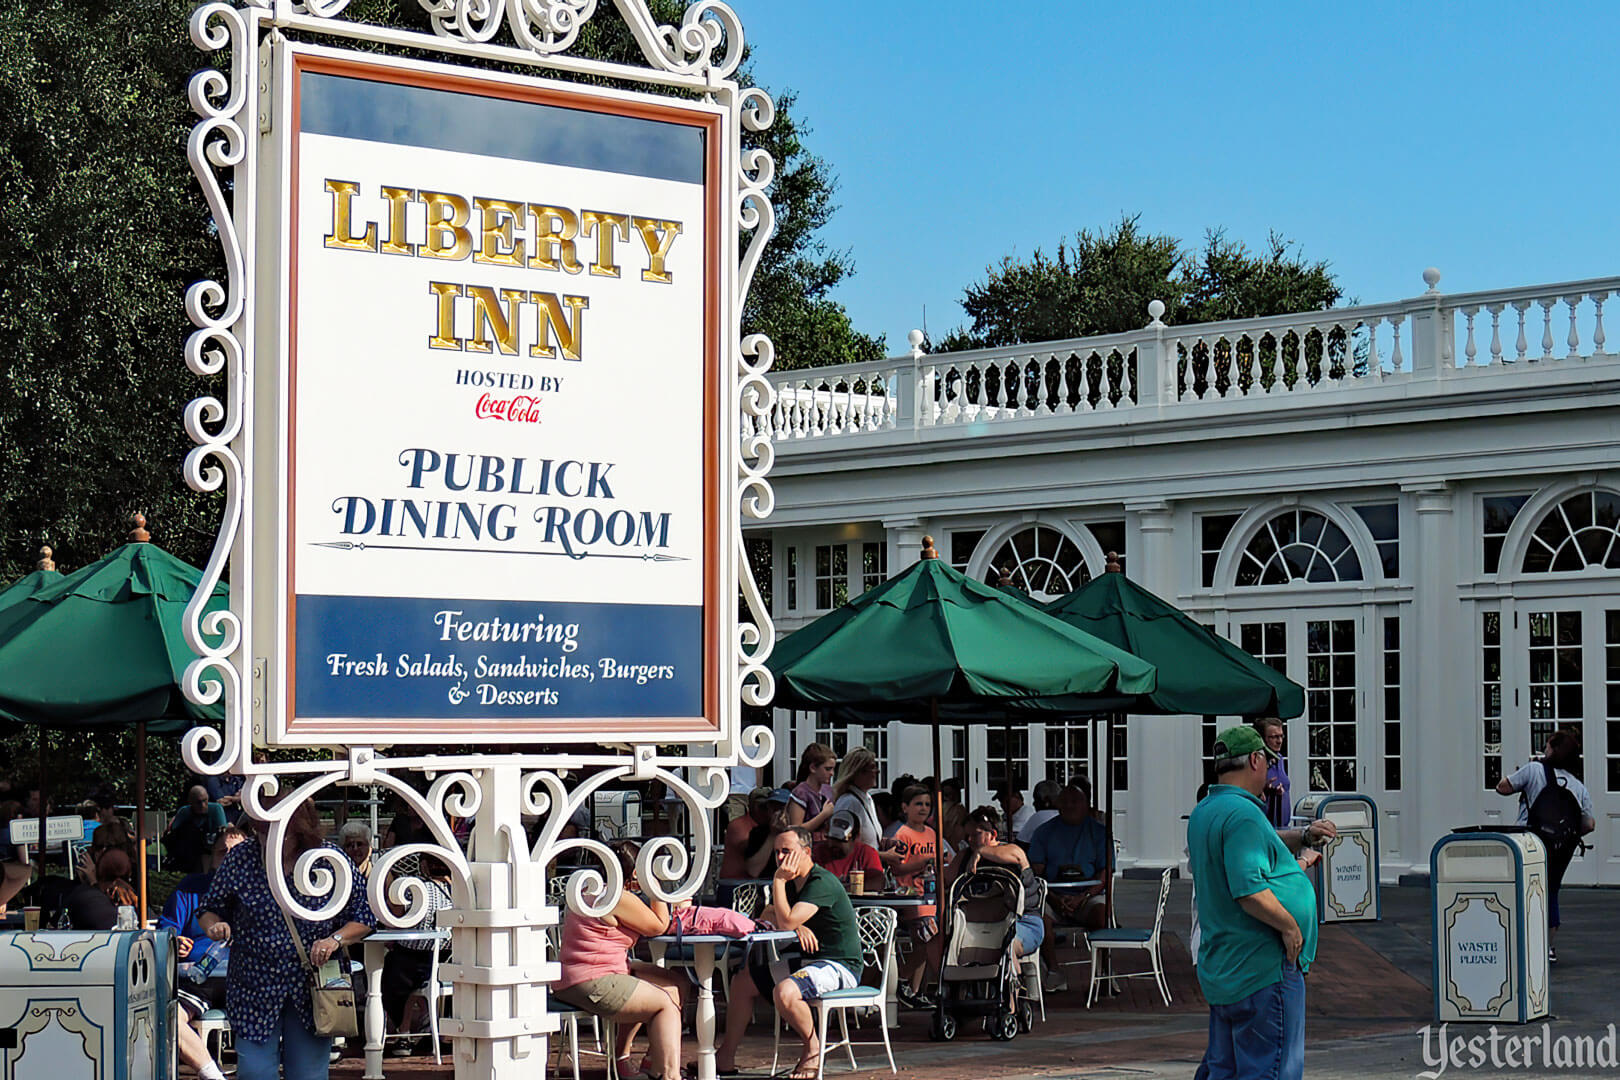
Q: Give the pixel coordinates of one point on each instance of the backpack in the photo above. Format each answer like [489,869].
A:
[1555,816]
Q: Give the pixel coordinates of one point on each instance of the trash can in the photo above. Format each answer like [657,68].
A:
[1490,926]
[617,814]
[83,1004]
[1347,875]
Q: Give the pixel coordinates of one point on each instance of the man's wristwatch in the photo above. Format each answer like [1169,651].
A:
[337,939]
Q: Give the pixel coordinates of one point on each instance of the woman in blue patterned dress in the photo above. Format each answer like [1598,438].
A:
[266,991]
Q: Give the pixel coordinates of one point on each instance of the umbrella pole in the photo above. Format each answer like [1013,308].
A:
[140,814]
[44,799]
[1108,783]
[939,807]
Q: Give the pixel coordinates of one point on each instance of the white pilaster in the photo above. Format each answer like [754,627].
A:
[1439,765]
[1164,769]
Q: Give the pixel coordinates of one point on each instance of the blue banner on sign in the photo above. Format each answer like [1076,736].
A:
[386,657]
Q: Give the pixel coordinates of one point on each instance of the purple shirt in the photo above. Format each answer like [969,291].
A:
[1279,805]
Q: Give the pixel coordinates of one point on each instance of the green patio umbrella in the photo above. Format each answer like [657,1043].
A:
[1200,672]
[12,596]
[102,649]
[934,639]
[934,635]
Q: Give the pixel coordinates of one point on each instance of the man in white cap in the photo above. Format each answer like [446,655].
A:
[844,851]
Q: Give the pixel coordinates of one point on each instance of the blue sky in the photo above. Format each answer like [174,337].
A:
[1479,138]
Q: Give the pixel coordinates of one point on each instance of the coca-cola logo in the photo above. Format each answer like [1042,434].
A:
[522,409]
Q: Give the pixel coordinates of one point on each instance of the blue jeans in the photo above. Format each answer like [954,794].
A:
[1261,1037]
[302,1053]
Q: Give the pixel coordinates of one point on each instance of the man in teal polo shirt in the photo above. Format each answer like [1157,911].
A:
[1258,914]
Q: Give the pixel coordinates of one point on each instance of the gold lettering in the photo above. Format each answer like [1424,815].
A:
[554,232]
[616,225]
[447,233]
[497,218]
[398,199]
[487,312]
[553,320]
[343,193]
[657,246]
[444,331]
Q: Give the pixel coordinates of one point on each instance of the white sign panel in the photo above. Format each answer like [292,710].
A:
[500,381]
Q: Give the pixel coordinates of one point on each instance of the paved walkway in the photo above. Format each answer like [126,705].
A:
[1368,996]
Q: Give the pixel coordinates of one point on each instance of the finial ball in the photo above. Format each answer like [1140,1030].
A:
[916,339]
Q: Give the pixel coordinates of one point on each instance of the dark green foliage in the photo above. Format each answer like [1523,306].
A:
[1102,282]
[101,230]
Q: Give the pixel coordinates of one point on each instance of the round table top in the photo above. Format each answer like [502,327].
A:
[1062,885]
[878,899]
[720,939]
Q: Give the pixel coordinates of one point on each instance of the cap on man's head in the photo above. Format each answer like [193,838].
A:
[779,796]
[1240,741]
[760,794]
[843,826]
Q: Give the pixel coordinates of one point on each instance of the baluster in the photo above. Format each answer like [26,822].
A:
[1496,333]
[1546,327]
[1375,363]
[1523,344]
[927,407]
[1065,387]
[1105,399]
[1598,339]
[1470,350]
[833,423]
[1040,386]
[1251,370]
[1020,388]
[1574,339]
[1397,359]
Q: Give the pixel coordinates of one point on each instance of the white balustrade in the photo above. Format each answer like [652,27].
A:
[1270,362]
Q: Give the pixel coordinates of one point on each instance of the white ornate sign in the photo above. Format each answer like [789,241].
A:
[482,366]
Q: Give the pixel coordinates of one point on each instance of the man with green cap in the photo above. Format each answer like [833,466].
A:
[1258,913]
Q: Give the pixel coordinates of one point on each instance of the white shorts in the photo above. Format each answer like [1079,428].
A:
[823,977]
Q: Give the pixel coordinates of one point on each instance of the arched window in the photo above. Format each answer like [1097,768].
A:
[1298,545]
[1042,561]
[1579,533]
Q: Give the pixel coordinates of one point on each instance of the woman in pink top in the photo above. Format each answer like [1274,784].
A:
[599,977]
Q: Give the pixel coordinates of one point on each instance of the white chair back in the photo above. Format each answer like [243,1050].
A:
[876,926]
[1164,896]
[748,898]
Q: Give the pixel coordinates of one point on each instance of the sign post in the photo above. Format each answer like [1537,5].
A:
[479,445]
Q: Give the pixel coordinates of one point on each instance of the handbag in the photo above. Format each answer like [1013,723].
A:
[331,1008]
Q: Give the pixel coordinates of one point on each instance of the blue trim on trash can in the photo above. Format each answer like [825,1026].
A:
[1523,973]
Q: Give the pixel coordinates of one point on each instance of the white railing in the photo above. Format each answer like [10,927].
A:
[1286,359]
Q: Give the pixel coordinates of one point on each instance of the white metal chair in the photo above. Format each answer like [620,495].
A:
[876,926]
[212,1023]
[1123,938]
[569,1017]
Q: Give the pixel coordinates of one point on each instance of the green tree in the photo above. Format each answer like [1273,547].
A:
[102,229]
[1101,283]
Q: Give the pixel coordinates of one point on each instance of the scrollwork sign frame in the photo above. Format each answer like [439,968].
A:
[498,883]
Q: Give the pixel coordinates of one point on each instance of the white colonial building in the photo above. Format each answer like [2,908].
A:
[1413,509]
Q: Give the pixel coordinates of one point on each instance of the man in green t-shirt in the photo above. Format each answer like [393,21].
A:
[1257,910]
[808,900]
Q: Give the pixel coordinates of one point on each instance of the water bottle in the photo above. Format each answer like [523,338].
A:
[126,917]
[201,969]
[928,884]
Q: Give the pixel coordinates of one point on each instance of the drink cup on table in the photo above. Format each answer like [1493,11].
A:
[857,882]
[31,918]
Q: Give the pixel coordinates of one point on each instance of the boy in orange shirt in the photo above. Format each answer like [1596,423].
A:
[912,854]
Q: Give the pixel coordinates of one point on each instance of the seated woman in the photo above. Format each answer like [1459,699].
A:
[983,848]
[599,977]
[408,964]
[94,903]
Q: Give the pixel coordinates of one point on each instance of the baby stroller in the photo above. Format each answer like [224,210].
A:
[978,974]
